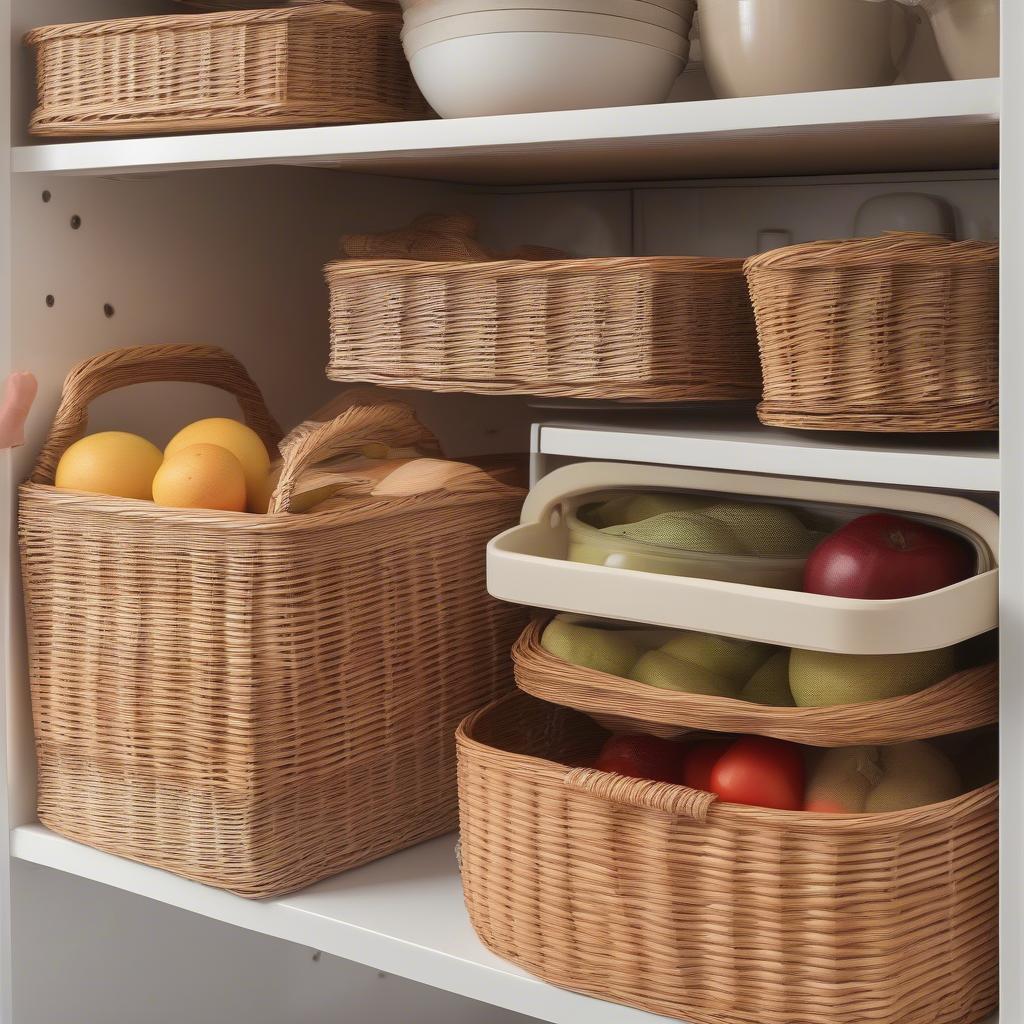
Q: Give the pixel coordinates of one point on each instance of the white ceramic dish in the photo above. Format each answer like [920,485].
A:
[967,32]
[527,565]
[636,10]
[515,58]
[526,72]
[769,47]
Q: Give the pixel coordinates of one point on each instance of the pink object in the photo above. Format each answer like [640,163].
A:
[17,401]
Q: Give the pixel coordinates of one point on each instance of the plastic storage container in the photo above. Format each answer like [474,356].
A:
[528,565]
[255,701]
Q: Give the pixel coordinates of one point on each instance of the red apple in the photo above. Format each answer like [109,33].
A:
[882,556]
[642,757]
[700,759]
[762,772]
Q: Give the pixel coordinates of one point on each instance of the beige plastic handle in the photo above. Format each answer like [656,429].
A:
[390,423]
[680,801]
[148,364]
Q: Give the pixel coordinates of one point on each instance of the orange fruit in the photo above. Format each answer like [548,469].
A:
[201,476]
[112,462]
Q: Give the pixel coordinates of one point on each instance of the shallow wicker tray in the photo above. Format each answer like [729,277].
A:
[966,700]
[646,329]
[659,897]
[281,67]
[896,333]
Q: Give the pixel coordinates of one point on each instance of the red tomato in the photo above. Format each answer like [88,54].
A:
[881,556]
[700,759]
[762,772]
[642,757]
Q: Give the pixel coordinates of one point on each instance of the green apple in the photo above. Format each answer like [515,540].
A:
[685,531]
[656,668]
[770,683]
[768,530]
[605,650]
[820,679]
[722,655]
[655,503]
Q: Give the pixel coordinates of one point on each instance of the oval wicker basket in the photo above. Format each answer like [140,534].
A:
[896,333]
[966,700]
[317,64]
[645,329]
[658,897]
[255,701]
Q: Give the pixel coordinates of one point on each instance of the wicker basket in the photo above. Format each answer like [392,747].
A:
[897,333]
[254,701]
[967,700]
[277,68]
[655,896]
[646,329]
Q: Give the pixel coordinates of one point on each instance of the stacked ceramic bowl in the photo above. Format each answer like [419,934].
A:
[478,57]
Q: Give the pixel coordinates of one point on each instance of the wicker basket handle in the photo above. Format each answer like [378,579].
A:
[680,801]
[390,423]
[148,364]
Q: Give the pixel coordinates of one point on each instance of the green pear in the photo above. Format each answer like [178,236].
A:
[656,668]
[686,531]
[851,780]
[721,655]
[605,650]
[655,503]
[768,530]
[770,683]
[821,679]
[611,512]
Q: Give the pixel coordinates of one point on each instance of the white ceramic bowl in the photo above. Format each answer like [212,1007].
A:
[676,18]
[518,22]
[766,47]
[524,72]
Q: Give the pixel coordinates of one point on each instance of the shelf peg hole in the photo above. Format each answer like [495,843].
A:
[76,222]
[50,300]
[108,310]
[47,195]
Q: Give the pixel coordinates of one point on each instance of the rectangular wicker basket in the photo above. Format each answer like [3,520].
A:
[644,329]
[277,68]
[255,701]
[895,333]
[655,896]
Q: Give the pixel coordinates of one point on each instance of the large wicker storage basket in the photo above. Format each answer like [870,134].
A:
[897,333]
[255,701]
[969,699]
[645,329]
[655,896]
[312,65]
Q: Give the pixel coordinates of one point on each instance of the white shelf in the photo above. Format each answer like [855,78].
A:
[929,126]
[736,441]
[403,915]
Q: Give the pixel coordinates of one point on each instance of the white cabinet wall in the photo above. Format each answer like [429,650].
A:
[221,240]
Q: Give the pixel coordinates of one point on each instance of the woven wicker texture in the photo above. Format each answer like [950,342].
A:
[311,65]
[655,896]
[896,333]
[648,329]
[255,702]
[967,700]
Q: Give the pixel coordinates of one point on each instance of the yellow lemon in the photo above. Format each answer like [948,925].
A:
[112,462]
[201,476]
[243,442]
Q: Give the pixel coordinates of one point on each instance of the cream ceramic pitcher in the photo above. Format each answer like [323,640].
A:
[764,47]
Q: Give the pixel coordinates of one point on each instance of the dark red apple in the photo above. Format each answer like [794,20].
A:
[699,761]
[762,772]
[642,757]
[882,556]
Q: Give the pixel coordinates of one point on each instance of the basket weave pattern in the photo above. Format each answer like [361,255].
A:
[256,702]
[321,64]
[897,333]
[655,896]
[964,701]
[656,329]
